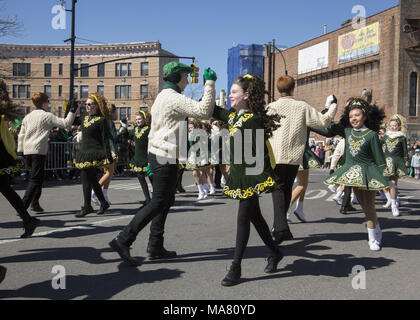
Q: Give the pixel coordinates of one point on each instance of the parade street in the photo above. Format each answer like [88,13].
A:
[320,263]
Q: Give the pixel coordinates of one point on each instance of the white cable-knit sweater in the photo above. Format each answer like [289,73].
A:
[36,126]
[168,111]
[288,142]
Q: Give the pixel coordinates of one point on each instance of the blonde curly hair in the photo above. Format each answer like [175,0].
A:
[401,120]
[100,101]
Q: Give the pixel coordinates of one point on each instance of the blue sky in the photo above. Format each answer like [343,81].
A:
[204,29]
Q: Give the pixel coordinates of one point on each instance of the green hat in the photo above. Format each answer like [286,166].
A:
[173,67]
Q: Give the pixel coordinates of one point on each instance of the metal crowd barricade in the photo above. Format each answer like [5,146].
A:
[60,155]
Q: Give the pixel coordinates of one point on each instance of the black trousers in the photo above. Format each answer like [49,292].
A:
[36,164]
[250,212]
[142,179]
[286,175]
[346,198]
[13,198]
[90,181]
[165,178]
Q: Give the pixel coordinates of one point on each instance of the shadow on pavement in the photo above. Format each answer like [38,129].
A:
[97,287]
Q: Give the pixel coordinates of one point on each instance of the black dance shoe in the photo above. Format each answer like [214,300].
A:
[273,261]
[84,212]
[30,227]
[180,189]
[161,253]
[124,252]
[37,209]
[3,272]
[103,208]
[233,277]
[280,236]
[347,209]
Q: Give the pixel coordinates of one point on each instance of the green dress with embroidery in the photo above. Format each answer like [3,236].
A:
[95,150]
[140,135]
[364,165]
[240,183]
[310,160]
[396,155]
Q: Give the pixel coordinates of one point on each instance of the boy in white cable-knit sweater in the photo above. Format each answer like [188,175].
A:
[288,144]
[33,144]
[169,111]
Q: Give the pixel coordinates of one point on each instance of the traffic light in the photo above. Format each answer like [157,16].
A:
[194,73]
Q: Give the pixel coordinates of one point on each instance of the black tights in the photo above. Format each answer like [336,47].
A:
[13,198]
[90,181]
[250,212]
[144,186]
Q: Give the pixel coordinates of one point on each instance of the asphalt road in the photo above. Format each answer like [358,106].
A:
[319,264]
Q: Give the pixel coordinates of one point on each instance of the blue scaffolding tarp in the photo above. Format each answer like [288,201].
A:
[244,59]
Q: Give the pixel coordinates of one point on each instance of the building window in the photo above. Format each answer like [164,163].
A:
[144,91]
[60,90]
[47,70]
[84,92]
[76,71]
[21,91]
[101,70]
[125,112]
[413,94]
[75,91]
[47,90]
[60,112]
[123,69]
[100,89]
[60,69]
[145,68]
[122,92]
[84,72]
[21,69]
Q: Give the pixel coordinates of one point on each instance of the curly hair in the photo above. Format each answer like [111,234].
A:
[10,110]
[255,86]
[102,104]
[374,115]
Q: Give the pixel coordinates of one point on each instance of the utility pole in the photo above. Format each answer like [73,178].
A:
[72,40]
[273,89]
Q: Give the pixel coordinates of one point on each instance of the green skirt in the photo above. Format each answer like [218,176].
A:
[310,161]
[241,186]
[86,160]
[396,167]
[362,176]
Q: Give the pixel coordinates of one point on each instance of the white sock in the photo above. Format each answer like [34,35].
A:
[299,206]
[200,188]
[394,203]
[339,193]
[388,196]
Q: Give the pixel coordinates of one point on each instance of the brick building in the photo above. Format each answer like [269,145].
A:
[129,84]
[383,56]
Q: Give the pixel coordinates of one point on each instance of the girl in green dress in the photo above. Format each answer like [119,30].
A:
[138,164]
[365,165]
[247,119]
[394,145]
[94,152]
[105,180]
